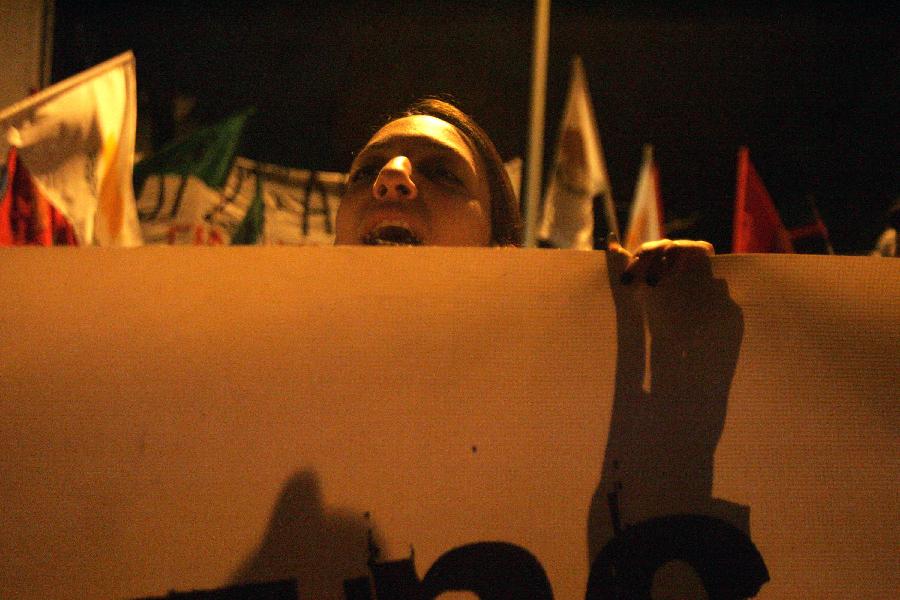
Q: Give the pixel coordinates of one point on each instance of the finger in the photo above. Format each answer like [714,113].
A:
[688,255]
[698,247]
[621,257]
[657,265]
[612,243]
[646,261]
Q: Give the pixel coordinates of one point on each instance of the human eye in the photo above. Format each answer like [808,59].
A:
[363,173]
[440,172]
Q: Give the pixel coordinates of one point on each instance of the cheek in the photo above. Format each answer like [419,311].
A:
[465,224]
[345,221]
[481,213]
[482,208]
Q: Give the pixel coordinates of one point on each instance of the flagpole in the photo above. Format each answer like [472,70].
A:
[815,211]
[535,161]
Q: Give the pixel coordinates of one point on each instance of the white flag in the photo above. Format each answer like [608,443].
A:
[645,223]
[579,172]
[77,140]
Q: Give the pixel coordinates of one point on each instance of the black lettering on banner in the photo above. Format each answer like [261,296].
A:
[182,185]
[491,570]
[314,185]
[226,197]
[280,204]
[727,562]
[723,556]
[153,213]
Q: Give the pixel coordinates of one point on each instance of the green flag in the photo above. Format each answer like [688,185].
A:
[251,228]
[205,154]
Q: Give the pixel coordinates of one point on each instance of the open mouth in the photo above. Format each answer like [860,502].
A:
[391,235]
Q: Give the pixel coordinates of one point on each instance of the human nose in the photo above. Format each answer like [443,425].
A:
[394,181]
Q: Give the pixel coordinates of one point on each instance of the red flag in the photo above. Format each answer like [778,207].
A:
[757,225]
[27,218]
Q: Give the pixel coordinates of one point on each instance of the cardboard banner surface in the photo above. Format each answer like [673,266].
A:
[188,418]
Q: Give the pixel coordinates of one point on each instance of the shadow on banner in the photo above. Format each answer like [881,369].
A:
[678,345]
[306,541]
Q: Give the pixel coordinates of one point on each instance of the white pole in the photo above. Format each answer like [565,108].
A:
[535,160]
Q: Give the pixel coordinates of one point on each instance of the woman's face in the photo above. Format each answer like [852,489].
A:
[417,182]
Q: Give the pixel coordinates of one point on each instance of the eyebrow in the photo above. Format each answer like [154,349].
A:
[399,139]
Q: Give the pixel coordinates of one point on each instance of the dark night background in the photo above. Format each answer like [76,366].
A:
[811,88]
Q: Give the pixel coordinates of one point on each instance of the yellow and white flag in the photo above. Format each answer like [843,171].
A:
[77,140]
[579,173]
[645,223]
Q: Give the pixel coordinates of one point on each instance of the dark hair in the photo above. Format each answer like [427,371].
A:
[506,226]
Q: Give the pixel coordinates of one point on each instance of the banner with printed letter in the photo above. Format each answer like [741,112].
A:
[292,207]
[182,183]
[509,421]
[297,206]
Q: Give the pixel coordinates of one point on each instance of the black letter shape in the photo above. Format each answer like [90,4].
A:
[723,556]
[492,570]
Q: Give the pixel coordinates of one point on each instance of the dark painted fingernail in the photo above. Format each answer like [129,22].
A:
[626,277]
[652,280]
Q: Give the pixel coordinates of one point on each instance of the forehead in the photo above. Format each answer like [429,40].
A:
[420,131]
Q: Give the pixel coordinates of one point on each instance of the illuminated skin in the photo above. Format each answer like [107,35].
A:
[655,261]
[416,182]
[419,182]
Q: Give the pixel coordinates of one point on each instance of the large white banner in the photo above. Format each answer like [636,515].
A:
[189,418]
